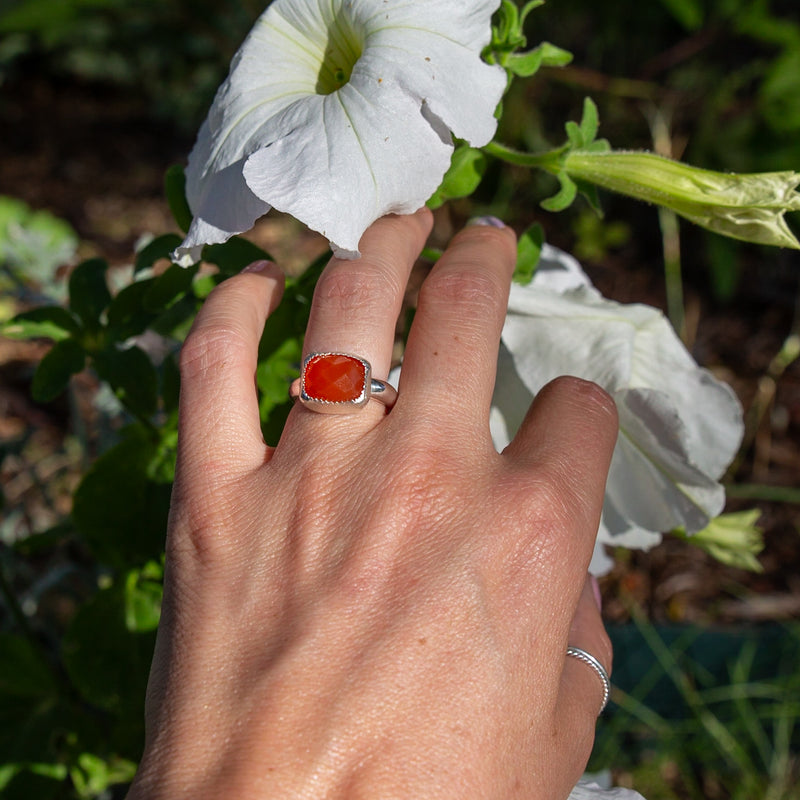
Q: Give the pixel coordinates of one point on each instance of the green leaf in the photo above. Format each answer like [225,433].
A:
[65,359]
[88,291]
[143,594]
[688,12]
[590,122]
[47,322]
[107,663]
[175,190]
[118,509]
[273,377]
[168,286]
[565,195]
[544,55]
[92,775]
[127,315]
[466,171]
[160,247]
[234,255]
[25,785]
[23,672]
[527,8]
[170,384]
[529,249]
[132,376]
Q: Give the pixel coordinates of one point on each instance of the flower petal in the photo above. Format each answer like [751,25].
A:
[653,474]
[432,50]
[591,791]
[349,158]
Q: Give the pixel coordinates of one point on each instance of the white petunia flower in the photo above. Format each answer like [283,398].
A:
[591,791]
[679,426]
[339,113]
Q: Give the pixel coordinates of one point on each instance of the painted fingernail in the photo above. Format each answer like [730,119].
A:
[258,266]
[490,222]
[598,597]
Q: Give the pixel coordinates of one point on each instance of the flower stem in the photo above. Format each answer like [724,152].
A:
[550,160]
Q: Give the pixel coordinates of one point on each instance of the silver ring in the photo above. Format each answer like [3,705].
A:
[590,660]
[338,383]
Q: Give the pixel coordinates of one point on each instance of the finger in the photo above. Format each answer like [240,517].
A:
[356,303]
[219,426]
[564,446]
[451,356]
[582,692]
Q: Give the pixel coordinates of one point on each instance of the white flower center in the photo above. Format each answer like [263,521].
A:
[342,50]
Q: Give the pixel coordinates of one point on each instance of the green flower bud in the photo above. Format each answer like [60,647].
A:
[733,539]
[748,207]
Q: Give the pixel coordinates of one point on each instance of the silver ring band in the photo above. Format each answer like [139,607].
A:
[339,383]
[590,660]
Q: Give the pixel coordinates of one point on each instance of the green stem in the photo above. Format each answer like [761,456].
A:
[670,239]
[550,161]
[756,491]
[432,254]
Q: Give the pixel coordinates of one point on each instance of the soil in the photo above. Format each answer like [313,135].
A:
[97,159]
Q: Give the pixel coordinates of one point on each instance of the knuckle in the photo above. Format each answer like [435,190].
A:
[348,287]
[587,396]
[466,288]
[208,349]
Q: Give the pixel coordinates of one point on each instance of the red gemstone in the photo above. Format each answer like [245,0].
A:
[334,378]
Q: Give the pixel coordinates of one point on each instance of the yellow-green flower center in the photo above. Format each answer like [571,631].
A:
[343,49]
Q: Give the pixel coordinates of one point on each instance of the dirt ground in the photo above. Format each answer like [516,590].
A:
[96,160]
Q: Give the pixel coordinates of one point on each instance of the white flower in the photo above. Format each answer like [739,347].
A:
[339,113]
[591,791]
[679,426]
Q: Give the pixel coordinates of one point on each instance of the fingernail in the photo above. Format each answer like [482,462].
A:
[598,597]
[258,266]
[490,222]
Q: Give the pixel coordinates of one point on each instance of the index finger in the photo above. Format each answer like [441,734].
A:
[218,420]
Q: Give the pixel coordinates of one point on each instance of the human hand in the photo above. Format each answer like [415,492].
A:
[380,606]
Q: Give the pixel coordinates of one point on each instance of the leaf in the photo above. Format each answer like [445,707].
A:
[160,247]
[127,316]
[47,322]
[565,195]
[234,255]
[107,663]
[131,375]
[466,171]
[169,286]
[143,594]
[273,377]
[170,384]
[529,248]
[65,359]
[689,13]
[544,55]
[590,122]
[25,785]
[118,509]
[88,291]
[175,190]
[23,672]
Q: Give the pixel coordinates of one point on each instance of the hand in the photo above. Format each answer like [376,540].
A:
[380,606]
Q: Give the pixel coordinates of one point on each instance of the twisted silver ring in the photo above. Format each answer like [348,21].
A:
[590,660]
[338,383]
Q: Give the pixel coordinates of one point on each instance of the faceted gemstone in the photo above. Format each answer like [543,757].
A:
[334,378]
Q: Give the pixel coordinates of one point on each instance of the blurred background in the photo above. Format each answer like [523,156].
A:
[99,97]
